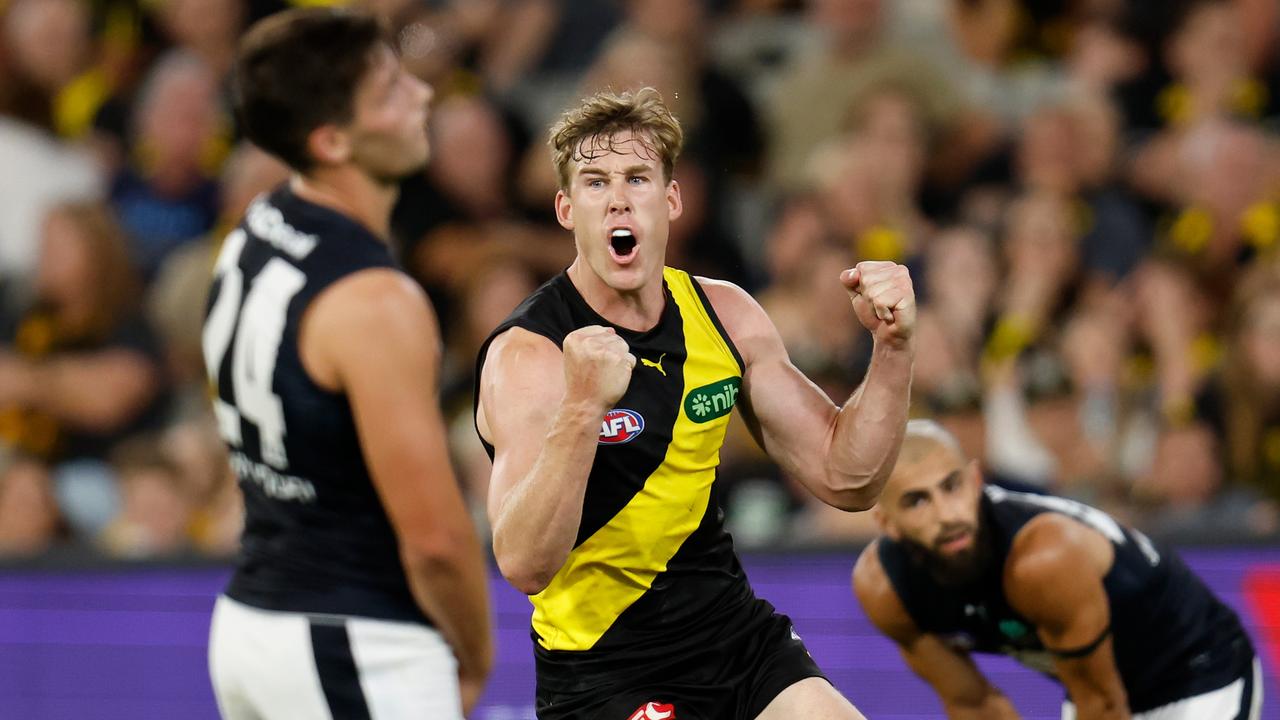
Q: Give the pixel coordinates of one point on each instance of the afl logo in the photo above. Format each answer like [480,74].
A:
[620,426]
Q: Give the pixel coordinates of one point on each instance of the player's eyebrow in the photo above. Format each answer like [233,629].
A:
[631,170]
[953,475]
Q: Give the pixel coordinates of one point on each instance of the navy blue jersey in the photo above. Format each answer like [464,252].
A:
[1171,637]
[316,537]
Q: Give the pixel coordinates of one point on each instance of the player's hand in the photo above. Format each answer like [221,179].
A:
[883,299]
[597,365]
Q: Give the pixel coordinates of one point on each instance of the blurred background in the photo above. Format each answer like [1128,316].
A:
[1087,193]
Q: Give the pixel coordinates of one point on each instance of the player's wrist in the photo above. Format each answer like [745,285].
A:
[579,409]
[894,348]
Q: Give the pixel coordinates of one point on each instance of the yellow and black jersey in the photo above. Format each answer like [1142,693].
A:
[652,563]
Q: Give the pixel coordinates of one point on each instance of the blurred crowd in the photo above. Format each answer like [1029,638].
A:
[1087,193]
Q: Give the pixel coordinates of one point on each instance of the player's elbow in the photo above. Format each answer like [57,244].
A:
[524,575]
[853,484]
[438,552]
[520,563]
[853,502]
[852,495]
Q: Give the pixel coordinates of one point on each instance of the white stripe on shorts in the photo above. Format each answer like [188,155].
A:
[1221,704]
[263,666]
[406,670]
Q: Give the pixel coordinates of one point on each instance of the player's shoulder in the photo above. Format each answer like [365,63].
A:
[740,313]
[521,346]
[527,342]
[725,293]
[878,597]
[382,304]
[520,376]
[869,576]
[521,364]
[1052,548]
[373,293]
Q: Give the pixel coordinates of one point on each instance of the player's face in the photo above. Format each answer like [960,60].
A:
[619,206]
[389,132]
[932,506]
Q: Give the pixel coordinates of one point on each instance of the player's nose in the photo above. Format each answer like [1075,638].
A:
[618,202]
[950,512]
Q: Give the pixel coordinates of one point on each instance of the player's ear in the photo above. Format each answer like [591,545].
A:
[329,145]
[675,205]
[564,210]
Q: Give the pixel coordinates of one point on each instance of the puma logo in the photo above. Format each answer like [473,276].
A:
[656,365]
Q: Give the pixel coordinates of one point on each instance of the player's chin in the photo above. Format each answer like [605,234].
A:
[624,278]
[632,278]
[415,162]
[411,161]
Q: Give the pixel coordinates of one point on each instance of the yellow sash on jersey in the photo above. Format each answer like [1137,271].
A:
[617,565]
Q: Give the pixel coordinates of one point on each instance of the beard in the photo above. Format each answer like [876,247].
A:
[959,569]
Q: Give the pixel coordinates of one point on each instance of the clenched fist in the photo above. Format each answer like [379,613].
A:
[597,365]
[883,299]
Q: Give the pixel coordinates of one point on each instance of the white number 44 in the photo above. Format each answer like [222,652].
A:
[258,332]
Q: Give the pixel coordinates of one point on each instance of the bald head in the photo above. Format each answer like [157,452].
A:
[924,436]
[925,441]
[931,502]
[929,454]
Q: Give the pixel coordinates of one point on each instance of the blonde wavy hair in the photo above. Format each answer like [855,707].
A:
[587,131]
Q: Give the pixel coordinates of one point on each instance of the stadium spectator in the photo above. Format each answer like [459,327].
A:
[80,365]
[166,196]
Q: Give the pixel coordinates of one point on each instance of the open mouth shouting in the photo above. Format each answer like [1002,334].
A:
[622,245]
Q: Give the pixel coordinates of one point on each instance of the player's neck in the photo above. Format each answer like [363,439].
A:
[351,193]
[637,310]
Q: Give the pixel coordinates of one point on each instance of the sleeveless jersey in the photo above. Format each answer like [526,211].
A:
[652,561]
[1171,638]
[316,537]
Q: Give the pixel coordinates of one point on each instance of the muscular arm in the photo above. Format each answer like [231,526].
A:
[1054,578]
[544,435]
[842,455]
[374,336]
[964,692]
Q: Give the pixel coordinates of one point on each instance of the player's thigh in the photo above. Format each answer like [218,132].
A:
[233,703]
[405,670]
[261,665]
[813,698]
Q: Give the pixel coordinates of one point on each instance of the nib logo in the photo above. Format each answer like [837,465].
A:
[654,711]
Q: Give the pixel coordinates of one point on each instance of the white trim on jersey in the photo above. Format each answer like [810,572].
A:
[266,665]
[1228,703]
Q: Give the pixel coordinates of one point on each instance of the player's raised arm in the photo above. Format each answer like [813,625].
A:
[1054,578]
[375,336]
[842,455]
[965,693]
[541,409]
